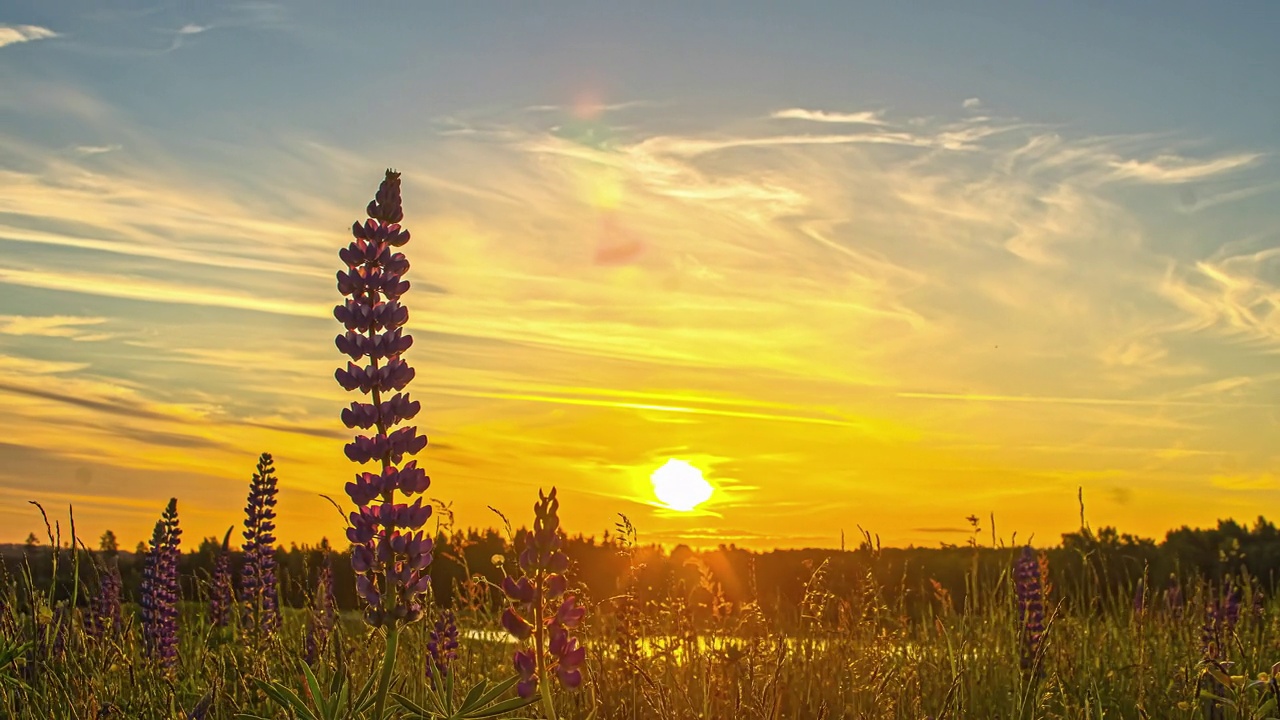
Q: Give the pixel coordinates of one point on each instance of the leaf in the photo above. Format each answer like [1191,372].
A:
[411,706]
[469,701]
[286,698]
[498,690]
[504,707]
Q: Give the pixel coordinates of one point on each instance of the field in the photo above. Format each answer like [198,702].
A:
[860,652]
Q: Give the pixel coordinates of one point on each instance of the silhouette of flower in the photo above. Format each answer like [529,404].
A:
[258,590]
[105,614]
[160,589]
[1030,605]
[442,645]
[221,592]
[534,611]
[390,552]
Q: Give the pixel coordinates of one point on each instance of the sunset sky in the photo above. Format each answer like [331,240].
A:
[863,264]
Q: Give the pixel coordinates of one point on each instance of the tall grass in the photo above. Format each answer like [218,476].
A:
[848,655]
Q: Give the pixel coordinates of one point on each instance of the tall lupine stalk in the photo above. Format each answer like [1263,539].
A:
[541,609]
[390,553]
[221,590]
[258,591]
[1030,606]
[160,590]
[105,616]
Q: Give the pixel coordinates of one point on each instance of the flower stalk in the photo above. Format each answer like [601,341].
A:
[391,553]
[258,589]
[160,590]
[540,594]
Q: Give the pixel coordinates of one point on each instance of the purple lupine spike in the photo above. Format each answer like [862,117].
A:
[442,646]
[324,612]
[258,590]
[221,591]
[1030,606]
[390,551]
[105,614]
[544,563]
[160,590]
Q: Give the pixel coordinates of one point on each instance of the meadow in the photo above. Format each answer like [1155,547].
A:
[1017,633]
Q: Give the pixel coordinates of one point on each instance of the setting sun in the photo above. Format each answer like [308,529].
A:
[680,486]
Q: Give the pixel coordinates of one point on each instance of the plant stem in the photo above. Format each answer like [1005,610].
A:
[388,666]
[544,682]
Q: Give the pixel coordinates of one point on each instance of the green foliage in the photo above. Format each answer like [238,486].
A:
[481,701]
[859,645]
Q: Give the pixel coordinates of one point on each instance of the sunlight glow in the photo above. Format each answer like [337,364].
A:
[680,486]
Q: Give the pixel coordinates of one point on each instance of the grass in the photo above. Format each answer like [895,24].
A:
[848,656]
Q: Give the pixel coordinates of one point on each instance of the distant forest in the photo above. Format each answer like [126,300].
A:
[783,584]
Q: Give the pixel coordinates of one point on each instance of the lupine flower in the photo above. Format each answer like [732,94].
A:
[105,616]
[324,612]
[258,591]
[540,606]
[221,592]
[1030,605]
[390,552]
[160,589]
[442,645]
[1221,613]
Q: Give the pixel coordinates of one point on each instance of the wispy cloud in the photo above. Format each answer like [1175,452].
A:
[866,117]
[14,34]
[1178,169]
[59,326]
[97,149]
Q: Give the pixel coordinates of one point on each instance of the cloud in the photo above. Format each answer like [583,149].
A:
[50,326]
[96,149]
[971,103]
[14,34]
[866,117]
[1171,168]
[192,29]
[1258,481]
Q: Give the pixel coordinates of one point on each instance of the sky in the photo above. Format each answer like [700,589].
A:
[872,266]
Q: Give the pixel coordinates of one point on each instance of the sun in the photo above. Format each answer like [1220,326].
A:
[680,486]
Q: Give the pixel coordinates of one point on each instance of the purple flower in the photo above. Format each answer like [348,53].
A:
[160,589]
[515,624]
[1030,605]
[324,612]
[442,645]
[258,591]
[105,616]
[526,664]
[1221,613]
[390,551]
[221,592]
[534,611]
